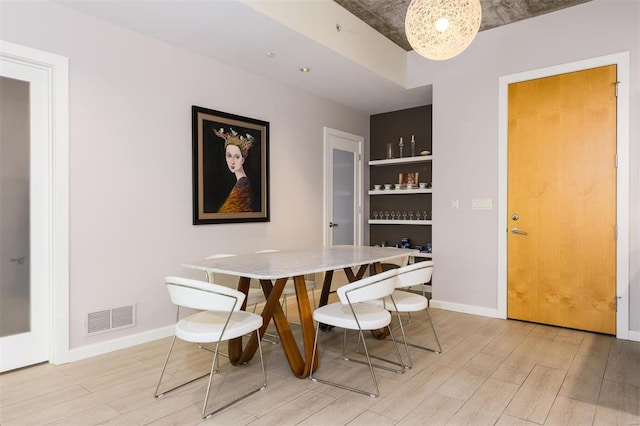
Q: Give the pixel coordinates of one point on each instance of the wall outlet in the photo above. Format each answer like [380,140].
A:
[481,204]
[455,204]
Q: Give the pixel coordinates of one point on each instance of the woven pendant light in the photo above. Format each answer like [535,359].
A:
[442,29]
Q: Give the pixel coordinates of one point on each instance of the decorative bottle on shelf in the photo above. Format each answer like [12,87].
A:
[389,151]
[413,146]
[401,144]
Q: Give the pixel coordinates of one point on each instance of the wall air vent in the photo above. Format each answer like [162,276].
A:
[109,320]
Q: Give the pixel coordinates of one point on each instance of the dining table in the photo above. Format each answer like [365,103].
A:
[274,269]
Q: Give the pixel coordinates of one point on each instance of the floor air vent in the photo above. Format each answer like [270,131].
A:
[110,319]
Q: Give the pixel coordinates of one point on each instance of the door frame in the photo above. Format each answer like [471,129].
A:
[57,211]
[622,181]
[328,183]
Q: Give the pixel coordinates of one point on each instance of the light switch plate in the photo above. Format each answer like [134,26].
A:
[481,204]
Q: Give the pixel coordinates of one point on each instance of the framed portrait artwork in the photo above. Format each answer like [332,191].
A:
[230,168]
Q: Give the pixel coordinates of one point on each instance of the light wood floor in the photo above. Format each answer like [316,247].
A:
[491,372]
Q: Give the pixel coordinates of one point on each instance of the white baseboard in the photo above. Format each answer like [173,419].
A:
[160,333]
[466,309]
[120,343]
[493,313]
[634,336]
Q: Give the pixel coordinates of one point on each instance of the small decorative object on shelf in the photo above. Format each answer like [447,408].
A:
[405,243]
[401,144]
[428,247]
[389,151]
[408,178]
[413,146]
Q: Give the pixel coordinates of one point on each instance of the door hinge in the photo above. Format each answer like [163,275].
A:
[617,83]
[616,160]
[615,232]
[615,302]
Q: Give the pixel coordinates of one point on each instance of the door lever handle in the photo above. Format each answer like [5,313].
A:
[517,231]
[332,225]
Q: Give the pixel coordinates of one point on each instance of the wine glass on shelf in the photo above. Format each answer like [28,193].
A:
[386,215]
[404,215]
[393,215]
[375,215]
[410,215]
[425,215]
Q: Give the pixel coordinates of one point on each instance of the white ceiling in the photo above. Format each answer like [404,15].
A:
[235,33]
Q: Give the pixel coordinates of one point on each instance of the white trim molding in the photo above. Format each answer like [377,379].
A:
[57,69]
[465,309]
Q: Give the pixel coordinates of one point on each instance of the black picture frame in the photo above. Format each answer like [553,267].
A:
[219,196]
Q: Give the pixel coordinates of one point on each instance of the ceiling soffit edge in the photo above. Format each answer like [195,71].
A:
[336,28]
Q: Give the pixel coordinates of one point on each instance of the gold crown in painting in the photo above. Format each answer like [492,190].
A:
[233,138]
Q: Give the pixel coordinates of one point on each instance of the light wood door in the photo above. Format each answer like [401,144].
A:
[562,200]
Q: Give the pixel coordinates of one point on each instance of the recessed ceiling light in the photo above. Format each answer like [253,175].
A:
[271,54]
[305,69]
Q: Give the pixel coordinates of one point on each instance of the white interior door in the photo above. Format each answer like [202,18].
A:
[33,207]
[24,303]
[342,188]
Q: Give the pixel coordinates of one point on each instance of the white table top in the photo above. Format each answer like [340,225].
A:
[286,264]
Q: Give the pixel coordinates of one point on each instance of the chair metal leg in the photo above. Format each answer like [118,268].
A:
[437,351]
[399,363]
[164,367]
[340,385]
[404,340]
[214,369]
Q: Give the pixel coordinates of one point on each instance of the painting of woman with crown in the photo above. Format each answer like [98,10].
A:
[230,160]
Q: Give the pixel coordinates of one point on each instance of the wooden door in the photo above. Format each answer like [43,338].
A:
[562,200]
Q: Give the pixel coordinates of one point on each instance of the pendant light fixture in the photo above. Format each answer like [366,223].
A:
[442,29]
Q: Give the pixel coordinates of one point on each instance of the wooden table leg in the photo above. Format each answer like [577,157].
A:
[300,365]
[305,311]
[326,288]
[383,332]
[235,345]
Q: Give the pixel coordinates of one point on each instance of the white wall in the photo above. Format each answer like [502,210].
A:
[130,151]
[465,135]
[130,160]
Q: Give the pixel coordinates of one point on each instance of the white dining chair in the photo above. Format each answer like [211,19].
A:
[220,319]
[290,288]
[353,313]
[403,301]
[255,295]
